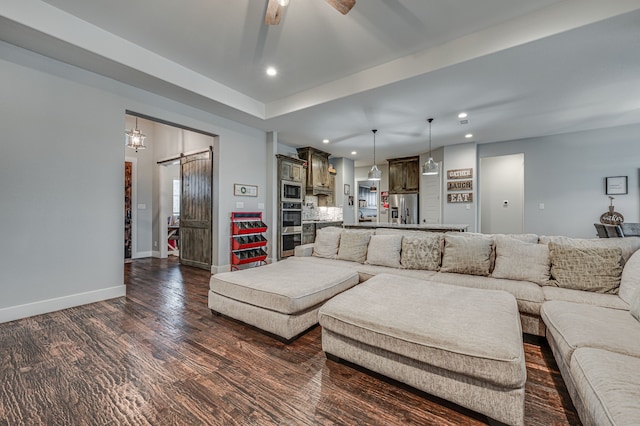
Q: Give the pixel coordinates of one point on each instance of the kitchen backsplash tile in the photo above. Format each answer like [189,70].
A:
[311,211]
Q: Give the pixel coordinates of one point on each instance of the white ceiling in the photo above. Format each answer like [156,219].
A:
[520,68]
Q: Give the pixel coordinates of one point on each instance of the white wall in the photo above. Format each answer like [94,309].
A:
[566,173]
[462,156]
[62,169]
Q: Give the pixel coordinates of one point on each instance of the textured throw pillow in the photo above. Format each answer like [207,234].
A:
[635,305]
[518,260]
[594,269]
[327,243]
[627,245]
[466,254]
[422,251]
[353,246]
[384,250]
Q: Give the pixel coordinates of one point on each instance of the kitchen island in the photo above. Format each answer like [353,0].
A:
[433,227]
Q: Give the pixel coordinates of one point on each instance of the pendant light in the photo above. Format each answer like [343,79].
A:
[135,138]
[430,168]
[374,173]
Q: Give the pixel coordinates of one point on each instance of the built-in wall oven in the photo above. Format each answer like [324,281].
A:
[291,191]
[290,227]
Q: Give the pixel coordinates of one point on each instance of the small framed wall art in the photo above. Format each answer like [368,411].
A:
[616,185]
[347,189]
[240,190]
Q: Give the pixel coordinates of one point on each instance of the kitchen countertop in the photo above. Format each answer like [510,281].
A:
[321,221]
[421,227]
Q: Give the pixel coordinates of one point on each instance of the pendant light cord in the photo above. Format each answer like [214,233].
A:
[374,145]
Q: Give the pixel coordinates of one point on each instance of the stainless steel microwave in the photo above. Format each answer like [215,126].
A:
[291,191]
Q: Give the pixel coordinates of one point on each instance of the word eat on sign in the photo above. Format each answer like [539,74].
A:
[463,197]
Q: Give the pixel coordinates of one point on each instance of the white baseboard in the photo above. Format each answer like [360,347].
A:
[155,253]
[216,269]
[142,254]
[51,305]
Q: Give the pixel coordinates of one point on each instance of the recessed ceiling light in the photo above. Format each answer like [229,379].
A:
[462,115]
[325,140]
[353,152]
[271,71]
[468,135]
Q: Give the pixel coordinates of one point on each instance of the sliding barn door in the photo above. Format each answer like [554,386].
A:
[196,210]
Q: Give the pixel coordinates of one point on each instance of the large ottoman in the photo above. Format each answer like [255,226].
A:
[282,298]
[460,344]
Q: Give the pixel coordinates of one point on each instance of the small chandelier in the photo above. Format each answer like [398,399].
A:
[430,167]
[135,138]
[374,173]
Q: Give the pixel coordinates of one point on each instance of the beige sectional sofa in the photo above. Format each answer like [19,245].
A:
[582,294]
[518,264]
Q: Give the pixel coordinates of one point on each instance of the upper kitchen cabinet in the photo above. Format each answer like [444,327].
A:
[404,175]
[318,180]
[291,169]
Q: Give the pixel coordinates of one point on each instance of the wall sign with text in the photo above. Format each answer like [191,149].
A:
[461,197]
[460,185]
[460,174]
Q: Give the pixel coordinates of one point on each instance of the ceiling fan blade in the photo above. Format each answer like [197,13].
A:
[274,11]
[342,6]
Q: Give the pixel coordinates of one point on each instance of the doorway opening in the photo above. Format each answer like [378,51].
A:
[368,193]
[502,194]
[169,180]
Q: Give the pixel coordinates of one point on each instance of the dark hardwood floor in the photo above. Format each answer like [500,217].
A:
[159,357]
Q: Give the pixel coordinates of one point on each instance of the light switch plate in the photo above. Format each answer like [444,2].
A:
[239,205]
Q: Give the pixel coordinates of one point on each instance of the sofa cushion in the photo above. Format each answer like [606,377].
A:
[528,295]
[413,318]
[467,254]
[630,280]
[518,260]
[287,286]
[574,325]
[327,242]
[525,238]
[353,246]
[608,384]
[585,297]
[384,250]
[627,245]
[635,306]
[422,251]
[586,268]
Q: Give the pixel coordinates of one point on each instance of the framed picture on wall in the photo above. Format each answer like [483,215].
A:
[616,185]
[347,189]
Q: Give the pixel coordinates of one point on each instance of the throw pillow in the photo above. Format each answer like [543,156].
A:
[384,250]
[422,251]
[327,243]
[353,246]
[594,269]
[627,245]
[635,305]
[518,260]
[466,254]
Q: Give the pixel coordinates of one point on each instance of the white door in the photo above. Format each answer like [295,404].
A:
[502,194]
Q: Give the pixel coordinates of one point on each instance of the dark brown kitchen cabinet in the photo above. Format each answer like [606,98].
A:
[318,182]
[404,175]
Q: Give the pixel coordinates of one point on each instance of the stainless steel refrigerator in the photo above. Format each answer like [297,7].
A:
[403,208]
